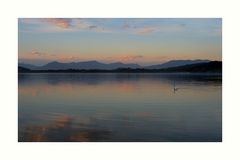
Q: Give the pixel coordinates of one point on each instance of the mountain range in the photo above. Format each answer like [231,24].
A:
[212,66]
[175,63]
[110,66]
[79,65]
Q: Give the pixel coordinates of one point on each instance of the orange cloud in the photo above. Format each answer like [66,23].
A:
[36,53]
[130,58]
[125,25]
[150,29]
[60,22]
[147,30]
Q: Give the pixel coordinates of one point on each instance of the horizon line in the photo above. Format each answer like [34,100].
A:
[117,62]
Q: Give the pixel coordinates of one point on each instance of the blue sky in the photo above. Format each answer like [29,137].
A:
[130,40]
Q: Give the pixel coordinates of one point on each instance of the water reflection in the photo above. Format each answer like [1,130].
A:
[119,107]
[62,130]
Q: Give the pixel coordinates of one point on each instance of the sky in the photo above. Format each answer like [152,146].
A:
[144,41]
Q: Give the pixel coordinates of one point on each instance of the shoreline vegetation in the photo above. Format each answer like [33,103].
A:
[209,67]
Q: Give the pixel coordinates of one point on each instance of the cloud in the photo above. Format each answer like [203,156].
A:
[56,25]
[182,25]
[60,22]
[97,25]
[146,30]
[136,26]
[92,27]
[126,57]
[152,29]
[68,58]
[37,53]
[134,57]
[126,25]
[77,25]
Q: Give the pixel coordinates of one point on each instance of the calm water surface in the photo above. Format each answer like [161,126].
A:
[119,107]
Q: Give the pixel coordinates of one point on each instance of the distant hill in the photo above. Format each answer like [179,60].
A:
[28,66]
[22,69]
[97,65]
[80,65]
[213,66]
[209,67]
[175,63]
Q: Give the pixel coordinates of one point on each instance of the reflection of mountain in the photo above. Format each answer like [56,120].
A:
[62,130]
[32,83]
[95,78]
[95,107]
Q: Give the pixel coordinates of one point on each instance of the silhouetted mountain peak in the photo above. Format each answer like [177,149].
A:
[176,63]
[53,62]
[93,61]
[55,65]
[28,66]
[117,63]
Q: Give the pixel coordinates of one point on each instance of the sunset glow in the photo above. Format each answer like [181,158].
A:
[131,40]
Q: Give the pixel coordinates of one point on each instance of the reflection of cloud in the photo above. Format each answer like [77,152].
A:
[31,91]
[60,22]
[68,89]
[124,87]
[62,130]
[90,136]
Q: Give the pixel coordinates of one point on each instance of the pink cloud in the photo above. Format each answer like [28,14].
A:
[150,29]
[147,30]
[37,53]
[125,25]
[124,58]
[130,57]
[60,22]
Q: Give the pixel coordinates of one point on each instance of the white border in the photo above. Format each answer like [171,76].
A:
[11,10]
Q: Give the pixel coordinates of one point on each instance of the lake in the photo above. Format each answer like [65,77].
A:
[119,107]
